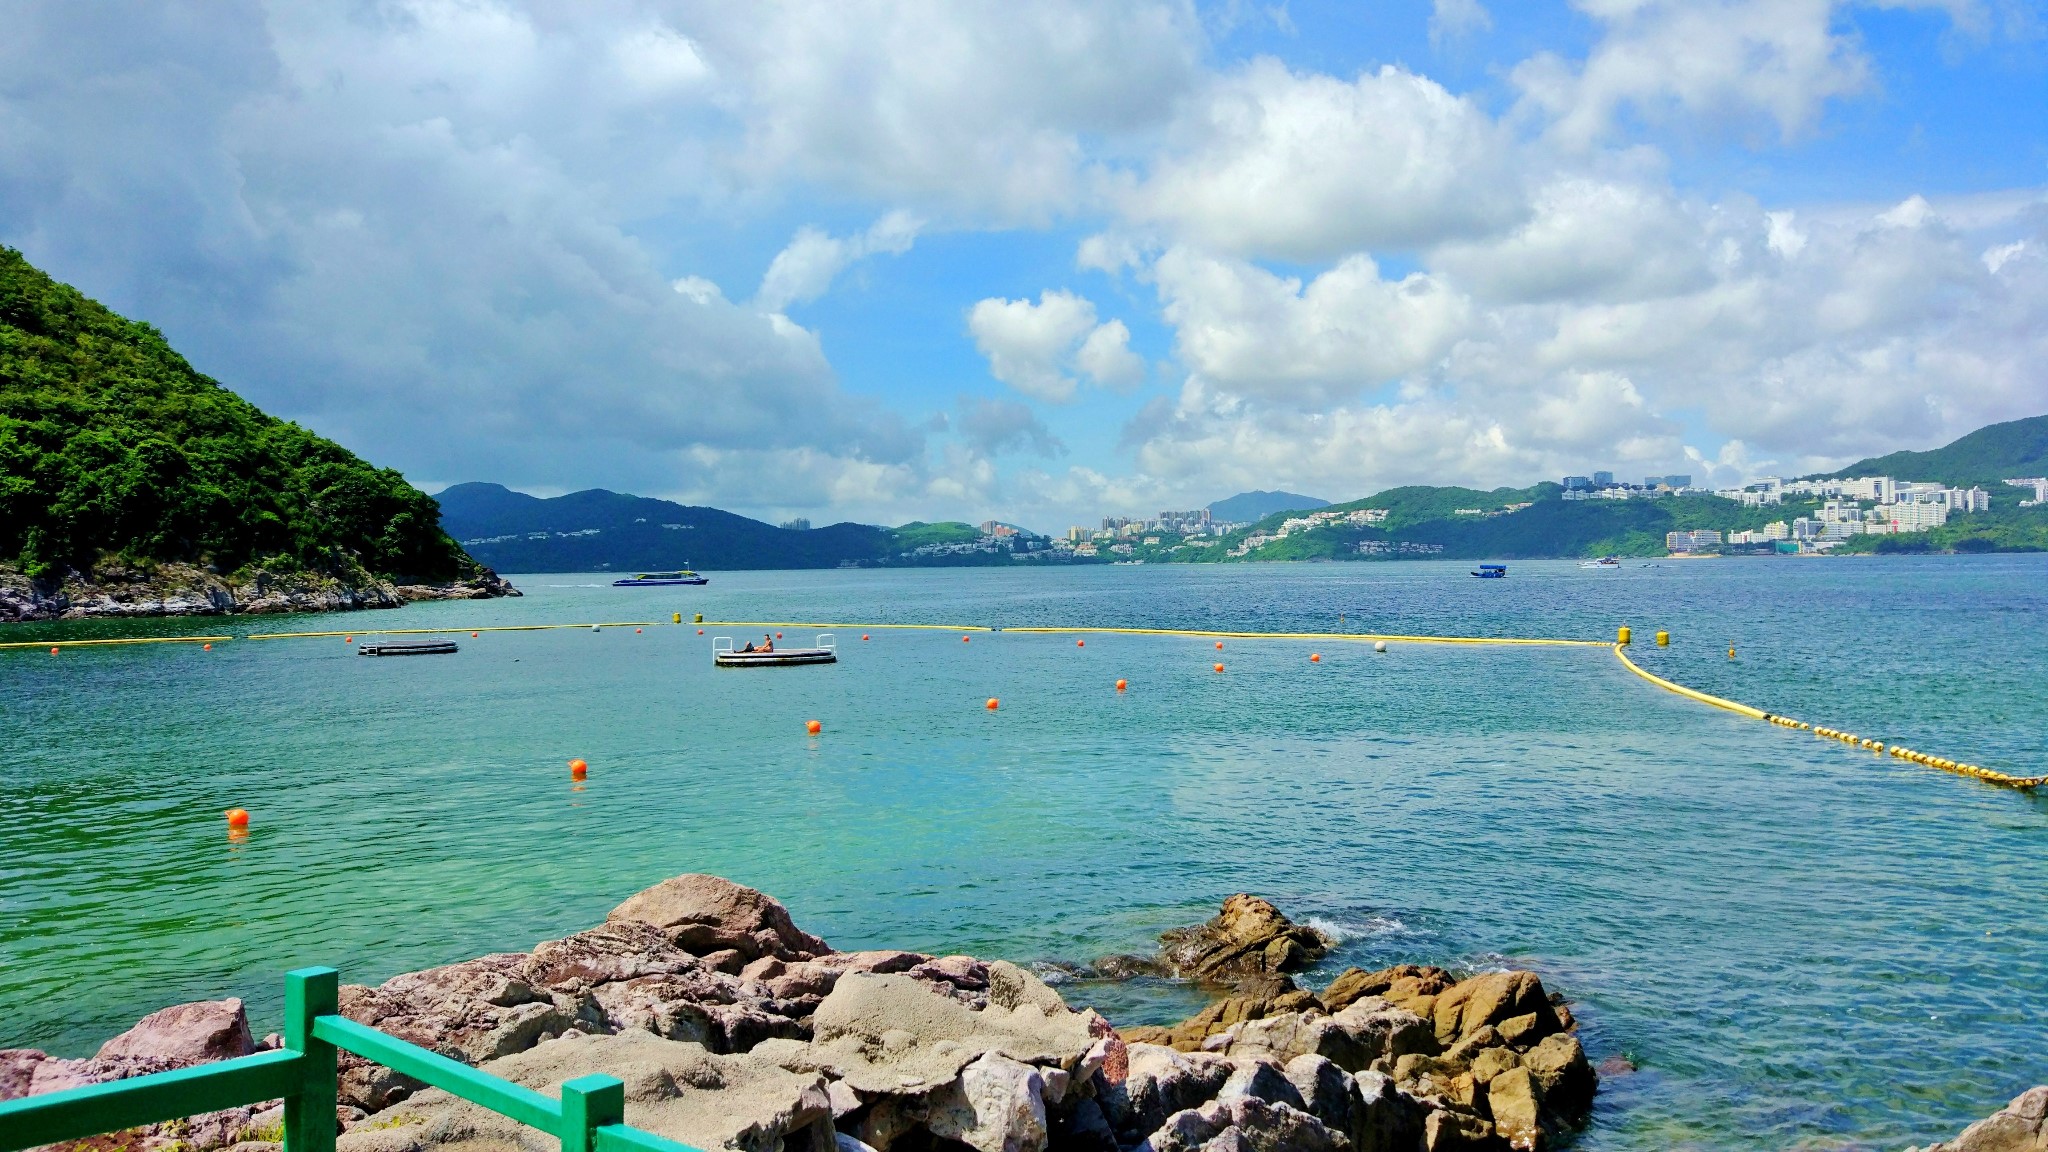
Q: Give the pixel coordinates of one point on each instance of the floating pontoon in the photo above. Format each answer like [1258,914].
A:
[409,648]
[725,655]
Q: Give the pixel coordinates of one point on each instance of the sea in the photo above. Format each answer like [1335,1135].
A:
[1772,940]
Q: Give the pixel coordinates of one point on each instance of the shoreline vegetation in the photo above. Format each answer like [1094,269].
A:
[735,1029]
[118,590]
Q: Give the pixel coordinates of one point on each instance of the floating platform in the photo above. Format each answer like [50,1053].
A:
[724,655]
[410,648]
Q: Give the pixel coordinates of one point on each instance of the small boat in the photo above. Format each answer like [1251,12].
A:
[1492,572]
[724,655]
[409,648]
[1602,563]
[661,579]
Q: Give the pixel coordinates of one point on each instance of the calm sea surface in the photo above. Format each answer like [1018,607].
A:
[1795,944]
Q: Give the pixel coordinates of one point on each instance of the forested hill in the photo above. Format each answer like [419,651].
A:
[112,447]
[1990,455]
[596,530]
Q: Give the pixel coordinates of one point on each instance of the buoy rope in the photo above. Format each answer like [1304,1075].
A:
[1975,771]
[1361,637]
[441,631]
[121,640]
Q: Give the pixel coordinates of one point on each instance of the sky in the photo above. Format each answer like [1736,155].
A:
[946,259]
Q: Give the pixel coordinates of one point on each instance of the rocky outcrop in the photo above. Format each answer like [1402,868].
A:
[1249,945]
[2021,1126]
[735,1029]
[122,590]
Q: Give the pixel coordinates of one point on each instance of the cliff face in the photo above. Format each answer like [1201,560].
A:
[116,589]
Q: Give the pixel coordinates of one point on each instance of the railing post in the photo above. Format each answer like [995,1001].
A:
[309,1112]
[589,1103]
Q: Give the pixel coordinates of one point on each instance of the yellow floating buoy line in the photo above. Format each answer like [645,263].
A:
[1975,771]
[119,640]
[472,630]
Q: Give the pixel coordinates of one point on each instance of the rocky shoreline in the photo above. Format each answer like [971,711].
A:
[117,590]
[735,1029]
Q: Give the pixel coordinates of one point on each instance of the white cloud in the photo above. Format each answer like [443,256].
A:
[1728,60]
[1586,238]
[1252,333]
[1453,19]
[1037,348]
[1306,166]
[805,269]
[995,426]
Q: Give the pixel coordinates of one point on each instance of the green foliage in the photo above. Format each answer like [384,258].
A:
[1988,456]
[917,534]
[110,443]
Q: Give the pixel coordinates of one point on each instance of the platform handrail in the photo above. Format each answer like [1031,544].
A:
[590,1115]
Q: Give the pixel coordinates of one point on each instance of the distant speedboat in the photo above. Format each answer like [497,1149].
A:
[1492,572]
[661,579]
[1603,562]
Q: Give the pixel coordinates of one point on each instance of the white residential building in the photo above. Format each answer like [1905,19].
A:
[2040,486]
[1777,530]
[1916,517]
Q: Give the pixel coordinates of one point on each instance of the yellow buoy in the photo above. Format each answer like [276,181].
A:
[1663,639]
[678,617]
[1621,635]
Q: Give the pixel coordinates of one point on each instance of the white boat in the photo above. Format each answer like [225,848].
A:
[724,655]
[1601,563]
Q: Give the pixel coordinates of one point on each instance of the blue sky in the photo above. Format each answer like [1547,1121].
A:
[886,261]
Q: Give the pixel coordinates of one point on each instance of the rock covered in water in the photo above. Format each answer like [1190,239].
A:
[1248,938]
[2021,1126]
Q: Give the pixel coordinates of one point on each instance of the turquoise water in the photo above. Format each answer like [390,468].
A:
[1795,944]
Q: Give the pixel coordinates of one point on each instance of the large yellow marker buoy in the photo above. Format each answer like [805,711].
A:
[1663,639]
[678,617]
[1621,635]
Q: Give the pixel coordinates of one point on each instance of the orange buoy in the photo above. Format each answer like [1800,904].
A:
[238,817]
[813,727]
[1080,643]
[700,631]
[778,635]
[348,639]
[1219,645]
[965,639]
[992,702]
[578,769]
[53,651]
[1315,658]
[472,635]
[863,635]
[636,631]
[1122,684]
[207,647]
[1219,667]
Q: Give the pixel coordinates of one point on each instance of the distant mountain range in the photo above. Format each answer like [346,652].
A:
[597,531]
[1248,507]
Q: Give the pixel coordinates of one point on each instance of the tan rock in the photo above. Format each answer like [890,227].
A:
[708,914]
[1491,1062]
[1516,1104]
[895,1034]
[1561,1071]
[1491,999]
[1455,1132]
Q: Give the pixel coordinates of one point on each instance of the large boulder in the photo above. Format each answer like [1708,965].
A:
[1559,1067]
[1249,937]
[197,1032]
[1414,987]
[997,1105]
[1354,1039]
[2021,1126]
[897,1034]
[1515,1102]
[673,1089]
[1492,999]
[1159,1082]
[707,914]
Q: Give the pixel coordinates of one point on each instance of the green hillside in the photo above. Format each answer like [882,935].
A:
[1989,456]
[113,447]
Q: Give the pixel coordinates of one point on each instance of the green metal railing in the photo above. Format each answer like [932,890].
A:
[589,1117]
